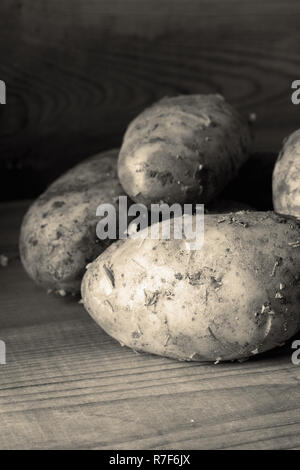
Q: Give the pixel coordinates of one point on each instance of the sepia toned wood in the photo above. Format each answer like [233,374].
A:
[68,385]
[78,71]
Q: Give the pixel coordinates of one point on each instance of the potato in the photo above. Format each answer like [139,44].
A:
[182,150]
[235,297]
[58,233]
[286,178]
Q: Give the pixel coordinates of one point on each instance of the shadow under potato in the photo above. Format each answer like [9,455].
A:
[285,350]
[253,184]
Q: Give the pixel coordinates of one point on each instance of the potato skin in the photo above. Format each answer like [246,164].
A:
[58,233]
[286,178]
[235,297]
[183,149]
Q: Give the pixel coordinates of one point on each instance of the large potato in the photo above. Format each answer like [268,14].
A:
[58,233]
[235,297]
[183,149]
[286,178]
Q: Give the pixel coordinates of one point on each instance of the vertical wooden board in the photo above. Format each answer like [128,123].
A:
[78,72]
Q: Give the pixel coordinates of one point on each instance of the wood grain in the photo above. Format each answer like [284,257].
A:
[67,385]
[77,73]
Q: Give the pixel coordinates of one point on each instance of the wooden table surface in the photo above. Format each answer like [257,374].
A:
[67,385]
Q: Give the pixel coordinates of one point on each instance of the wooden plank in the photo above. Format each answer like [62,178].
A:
[77,73]
[68,385]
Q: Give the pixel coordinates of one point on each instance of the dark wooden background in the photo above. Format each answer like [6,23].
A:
[78,71]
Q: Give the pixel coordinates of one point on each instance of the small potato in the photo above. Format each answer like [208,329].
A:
[58,233]
[286,178]
[183,150]
[235,297]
